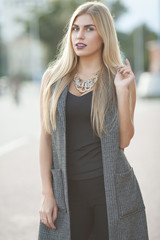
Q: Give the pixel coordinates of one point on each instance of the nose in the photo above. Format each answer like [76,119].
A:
[80,34]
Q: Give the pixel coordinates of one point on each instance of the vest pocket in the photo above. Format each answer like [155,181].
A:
[58,188]
[129,197]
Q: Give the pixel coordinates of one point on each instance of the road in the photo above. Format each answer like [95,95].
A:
[20,186]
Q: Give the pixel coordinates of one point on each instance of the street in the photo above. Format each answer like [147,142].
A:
[20,184]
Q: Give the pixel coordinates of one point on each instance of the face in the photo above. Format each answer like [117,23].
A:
[85,33]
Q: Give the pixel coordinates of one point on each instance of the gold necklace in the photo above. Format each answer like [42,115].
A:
[85,86]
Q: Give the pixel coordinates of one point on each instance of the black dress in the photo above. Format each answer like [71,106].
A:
[83,147]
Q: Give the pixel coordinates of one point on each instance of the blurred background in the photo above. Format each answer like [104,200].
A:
[30,31]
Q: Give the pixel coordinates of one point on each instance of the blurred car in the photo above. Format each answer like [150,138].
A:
[149,85]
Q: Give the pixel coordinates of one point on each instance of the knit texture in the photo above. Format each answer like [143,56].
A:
[125,206]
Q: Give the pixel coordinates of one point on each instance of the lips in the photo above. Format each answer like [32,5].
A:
[80,44]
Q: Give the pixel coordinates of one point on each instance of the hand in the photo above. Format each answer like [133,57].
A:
[124,76]
[48,210]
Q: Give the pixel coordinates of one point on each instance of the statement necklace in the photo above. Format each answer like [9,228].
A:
[85,86]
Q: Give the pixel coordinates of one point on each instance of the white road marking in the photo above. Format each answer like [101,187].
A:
[13,145]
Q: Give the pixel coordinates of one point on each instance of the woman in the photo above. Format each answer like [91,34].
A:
[89,190]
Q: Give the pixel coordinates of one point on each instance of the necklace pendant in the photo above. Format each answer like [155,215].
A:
[85,86]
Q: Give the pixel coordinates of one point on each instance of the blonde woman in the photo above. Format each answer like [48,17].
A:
[87,102]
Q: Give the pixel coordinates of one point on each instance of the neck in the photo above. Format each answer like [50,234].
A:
[88,66]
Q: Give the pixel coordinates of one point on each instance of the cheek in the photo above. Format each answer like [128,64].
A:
[73,36]
[72,39]
[96,41]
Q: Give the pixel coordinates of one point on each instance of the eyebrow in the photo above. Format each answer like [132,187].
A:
[88,25]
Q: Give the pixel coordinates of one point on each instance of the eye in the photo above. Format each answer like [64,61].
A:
[75,29]
[90,29]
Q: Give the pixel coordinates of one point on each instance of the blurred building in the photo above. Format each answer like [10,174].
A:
[26,57]
[12,10]
[22,54]
[149,82]
[154,54]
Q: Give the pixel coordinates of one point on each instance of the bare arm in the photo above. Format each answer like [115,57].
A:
[126,95]
[48,209]
[126,115]
[45,154]
[45,159]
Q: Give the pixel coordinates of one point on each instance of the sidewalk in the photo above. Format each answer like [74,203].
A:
[144,155]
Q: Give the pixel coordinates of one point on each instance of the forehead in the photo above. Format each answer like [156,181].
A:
[83,20]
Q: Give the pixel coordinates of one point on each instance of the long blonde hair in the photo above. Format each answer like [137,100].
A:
[103,97]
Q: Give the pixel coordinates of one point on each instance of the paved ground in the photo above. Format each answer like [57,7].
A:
[144,155]
[19,166]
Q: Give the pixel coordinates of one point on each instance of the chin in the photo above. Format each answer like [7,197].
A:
[82,54]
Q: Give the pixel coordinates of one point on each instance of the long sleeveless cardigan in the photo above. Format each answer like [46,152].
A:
[125,205]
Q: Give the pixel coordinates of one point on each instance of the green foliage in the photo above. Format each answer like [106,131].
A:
[116,8]
[52,25]
[128,46]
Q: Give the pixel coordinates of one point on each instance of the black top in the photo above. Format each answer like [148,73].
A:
[83,147]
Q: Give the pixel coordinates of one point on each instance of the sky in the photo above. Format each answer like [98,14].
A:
[139,11]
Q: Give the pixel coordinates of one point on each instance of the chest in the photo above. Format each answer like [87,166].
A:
[78,108]
[72,89]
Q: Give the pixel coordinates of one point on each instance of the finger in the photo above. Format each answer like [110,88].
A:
[119,66]
[50,221]
[55,213]
[41,216]
[123,69]
[128,63]
[45,221]
[126,71]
